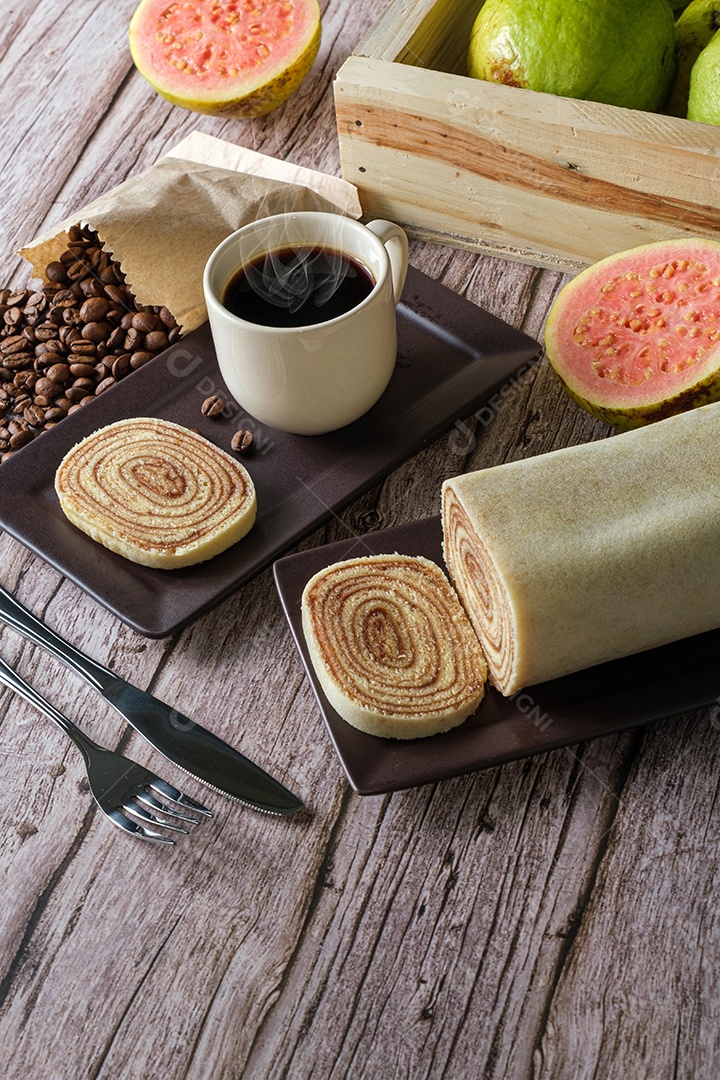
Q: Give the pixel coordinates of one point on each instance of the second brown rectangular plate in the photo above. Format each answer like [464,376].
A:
[598,701]
[452,357]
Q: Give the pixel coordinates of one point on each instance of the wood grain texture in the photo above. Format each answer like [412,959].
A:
[553,918]
[552,181]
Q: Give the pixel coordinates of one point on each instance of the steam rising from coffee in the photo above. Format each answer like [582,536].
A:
[307,274]
[297,285]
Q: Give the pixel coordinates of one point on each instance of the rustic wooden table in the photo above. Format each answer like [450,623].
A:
[555,917]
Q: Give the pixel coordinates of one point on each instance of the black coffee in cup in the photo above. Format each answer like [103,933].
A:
[297,286]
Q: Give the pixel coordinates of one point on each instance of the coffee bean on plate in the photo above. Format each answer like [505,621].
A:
[212,406]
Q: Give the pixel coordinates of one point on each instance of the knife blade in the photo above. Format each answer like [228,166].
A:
[186,743]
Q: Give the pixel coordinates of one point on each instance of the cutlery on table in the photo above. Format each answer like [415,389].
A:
[185,743]
[126,792]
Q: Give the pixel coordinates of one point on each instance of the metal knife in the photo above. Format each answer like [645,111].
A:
[181,740]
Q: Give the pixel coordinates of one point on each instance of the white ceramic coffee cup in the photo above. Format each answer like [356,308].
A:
[310,379]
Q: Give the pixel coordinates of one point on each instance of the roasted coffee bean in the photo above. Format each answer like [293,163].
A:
[117,295]
[91,287]
[53,413]
[144,321]
[105,385]
[109,276]
[69,335]
[156,341]
[133,339]
[95,331]
[139,358]
[242,441]
[81,347]
[94,309]
[212,406]
[21,438]
[17,361]
[59,372]
[47,388]
[74,394]
[81,370]
[121,365]
[43,335]
[117,338]
[55,271]
[34,415]
[64,299]
[25,378]
[14,343]
[79,269]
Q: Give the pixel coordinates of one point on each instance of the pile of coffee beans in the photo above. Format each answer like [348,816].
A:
[72,339]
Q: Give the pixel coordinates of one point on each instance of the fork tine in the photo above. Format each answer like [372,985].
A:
[161,787]
[128,825]
[134,806]
[148,799]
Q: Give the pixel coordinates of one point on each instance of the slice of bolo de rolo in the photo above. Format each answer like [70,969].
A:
[392,647]
[156,493]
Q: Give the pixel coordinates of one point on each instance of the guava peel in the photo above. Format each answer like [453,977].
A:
[694,29]
[239,58]
[635,337]
[620,52]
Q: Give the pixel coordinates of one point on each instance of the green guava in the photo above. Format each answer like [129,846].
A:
[620,52]
[636,337]
[693,31]
[231,57]
[704,94]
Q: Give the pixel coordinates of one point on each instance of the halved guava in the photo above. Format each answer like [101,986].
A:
[232,57]
[636,336]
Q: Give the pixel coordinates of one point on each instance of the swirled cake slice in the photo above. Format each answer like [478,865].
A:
[156,493]
[392,646]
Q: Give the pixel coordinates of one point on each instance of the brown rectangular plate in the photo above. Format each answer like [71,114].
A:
[452,357]
[609,698]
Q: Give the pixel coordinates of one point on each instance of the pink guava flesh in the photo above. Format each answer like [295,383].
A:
[204,54]
[636,336]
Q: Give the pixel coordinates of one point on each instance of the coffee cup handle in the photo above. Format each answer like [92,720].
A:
[396,243]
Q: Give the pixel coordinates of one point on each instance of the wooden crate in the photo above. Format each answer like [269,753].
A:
[547,180]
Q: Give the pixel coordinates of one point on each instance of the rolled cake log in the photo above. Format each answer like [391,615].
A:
[392,647]
[590,553]
[156,493]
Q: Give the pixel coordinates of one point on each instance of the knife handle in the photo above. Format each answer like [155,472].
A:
[19,618]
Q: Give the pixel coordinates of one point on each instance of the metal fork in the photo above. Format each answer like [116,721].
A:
[126,792]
